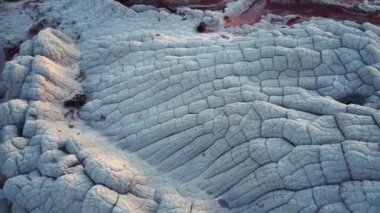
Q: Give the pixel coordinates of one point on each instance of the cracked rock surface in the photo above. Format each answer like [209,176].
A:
[261,119]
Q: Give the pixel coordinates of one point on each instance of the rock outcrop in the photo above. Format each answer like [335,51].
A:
[263,119]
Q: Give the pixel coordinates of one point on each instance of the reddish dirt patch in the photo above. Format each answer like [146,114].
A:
[307,10]
[304,11]
[252,15]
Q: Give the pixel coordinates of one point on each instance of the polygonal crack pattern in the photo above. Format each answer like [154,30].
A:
[277,120]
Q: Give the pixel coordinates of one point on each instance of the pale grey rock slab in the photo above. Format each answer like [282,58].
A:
[278,120]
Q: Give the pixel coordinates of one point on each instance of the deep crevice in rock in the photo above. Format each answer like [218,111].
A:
[353,99]
[40,25]
[10,52]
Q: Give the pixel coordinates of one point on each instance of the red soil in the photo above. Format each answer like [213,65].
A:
[252,15]
[304,9]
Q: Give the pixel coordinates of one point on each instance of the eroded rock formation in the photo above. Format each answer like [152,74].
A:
[266,118]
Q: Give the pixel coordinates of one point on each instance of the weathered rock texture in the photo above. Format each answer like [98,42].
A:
[280,119]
